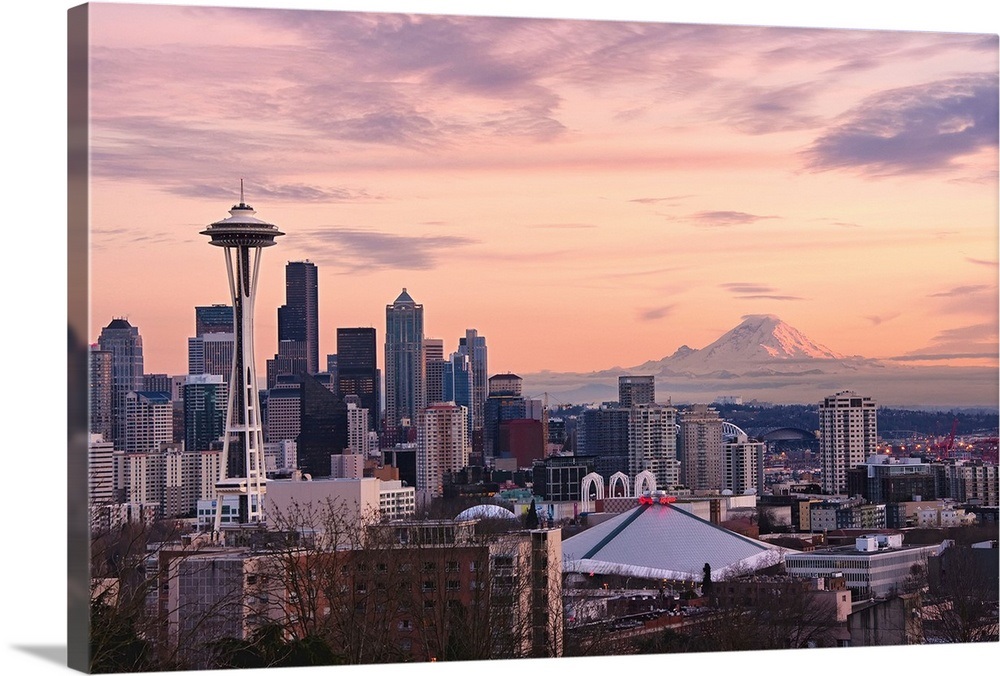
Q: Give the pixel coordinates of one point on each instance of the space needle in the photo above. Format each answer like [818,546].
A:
[241,471]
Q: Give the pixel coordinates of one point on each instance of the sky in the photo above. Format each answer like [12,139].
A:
[586,194]
[34,45]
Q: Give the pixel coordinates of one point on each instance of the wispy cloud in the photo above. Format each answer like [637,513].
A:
[913,129]
[637,273]
[753,291]
[770,297]
[944,356]
[297,193]
[359,250]
[761,110]
[881,319]
[658,200]
[979,261]
[960,291]
[746,287]
[563,226]
[972,341]
[725,219]
[652,314]
[968,299]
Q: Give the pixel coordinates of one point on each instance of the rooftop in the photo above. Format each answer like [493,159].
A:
[663,542]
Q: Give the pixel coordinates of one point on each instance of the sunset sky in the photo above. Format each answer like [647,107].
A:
[585,194]
[168,161]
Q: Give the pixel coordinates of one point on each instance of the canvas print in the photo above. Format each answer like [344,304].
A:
[443,338]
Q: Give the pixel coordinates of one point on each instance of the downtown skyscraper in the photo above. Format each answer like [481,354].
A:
[298,318]
[404,361]
[124,343]
[357,370]
[99,393]
[474,346]
[216,318]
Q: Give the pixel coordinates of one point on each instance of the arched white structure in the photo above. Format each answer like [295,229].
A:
[618,478]
[731,430]
[486,511]
[644,481]
[592,479]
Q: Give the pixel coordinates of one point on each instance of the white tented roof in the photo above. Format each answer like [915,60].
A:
[662,541]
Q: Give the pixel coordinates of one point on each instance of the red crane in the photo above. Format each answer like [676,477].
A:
[945,448]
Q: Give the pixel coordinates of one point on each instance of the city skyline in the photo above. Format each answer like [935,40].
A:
[632,180]
[37,642]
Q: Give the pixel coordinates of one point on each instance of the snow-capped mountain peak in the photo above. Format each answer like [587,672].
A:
[757,340]
[768,336]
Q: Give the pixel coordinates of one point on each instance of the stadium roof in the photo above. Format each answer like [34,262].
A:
[664,542]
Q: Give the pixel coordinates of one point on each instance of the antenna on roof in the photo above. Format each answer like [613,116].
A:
[242,201]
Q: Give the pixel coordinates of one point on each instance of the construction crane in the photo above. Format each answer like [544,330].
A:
[946,450]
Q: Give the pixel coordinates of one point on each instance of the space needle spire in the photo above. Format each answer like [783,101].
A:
[241,473]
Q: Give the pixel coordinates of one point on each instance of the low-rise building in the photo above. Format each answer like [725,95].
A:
[944,517]
[875,566]
[413,591]
[883,478]
[825,516]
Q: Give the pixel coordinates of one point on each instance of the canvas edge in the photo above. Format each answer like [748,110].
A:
[78,296]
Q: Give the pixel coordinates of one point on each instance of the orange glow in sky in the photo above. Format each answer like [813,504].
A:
[585,194]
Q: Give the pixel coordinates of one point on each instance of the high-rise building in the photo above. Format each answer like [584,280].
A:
[504,403]
[211,353]
[357,371]
[205,400]
[523,440]
[124,343]
[434,364]
[100,397]
[149,421]
[505,385]
[298,318]
[700,448]
[156,382]
[848,434]
[404,361]
[442,445]
[100,468]
[323,426]
[284,411]
[289,360]
[358,439]
[474,346]
[653,443]
[603,436]
[242,238]
[633,390]
[742,465]
[213,319]
[168,477]
[456,382]
[970,482]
